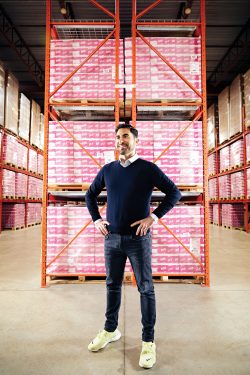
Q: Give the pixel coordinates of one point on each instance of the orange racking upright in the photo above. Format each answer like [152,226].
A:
[198,108]
[108,29]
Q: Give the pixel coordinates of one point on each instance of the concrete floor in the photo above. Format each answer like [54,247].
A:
[199,330]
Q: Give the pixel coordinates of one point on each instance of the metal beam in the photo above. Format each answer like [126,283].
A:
[17,43]
[239,50]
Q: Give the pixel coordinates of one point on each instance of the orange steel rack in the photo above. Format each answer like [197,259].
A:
[200,105]
[245,200]
[51,108]
[17,170]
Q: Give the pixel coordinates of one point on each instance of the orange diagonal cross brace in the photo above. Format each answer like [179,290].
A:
[169,64]
[74,138]
[178,136]
[84,61]
[182,244]
[72,240]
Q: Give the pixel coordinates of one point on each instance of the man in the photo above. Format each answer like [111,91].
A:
[129,183]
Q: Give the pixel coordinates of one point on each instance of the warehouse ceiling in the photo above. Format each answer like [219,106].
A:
[22,35]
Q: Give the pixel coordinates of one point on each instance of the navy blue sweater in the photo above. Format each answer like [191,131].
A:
[129,193]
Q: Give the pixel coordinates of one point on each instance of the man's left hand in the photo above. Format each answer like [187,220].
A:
[144,225]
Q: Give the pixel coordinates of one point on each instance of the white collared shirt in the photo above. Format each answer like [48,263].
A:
[129,161]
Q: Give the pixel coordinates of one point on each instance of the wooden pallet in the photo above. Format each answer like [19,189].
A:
[86,101]
[164,100]
[197,188]
[22,168]
[71,187]
[10,164]
[9,197]
[32,225]
[237,166]
[237,198]
[15,228]
[128,278]
[230,227]
[18,197]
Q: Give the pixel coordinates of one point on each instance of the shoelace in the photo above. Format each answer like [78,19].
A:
[147,348]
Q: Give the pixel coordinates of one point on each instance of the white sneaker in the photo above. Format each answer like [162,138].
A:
[102,339]
[148,355]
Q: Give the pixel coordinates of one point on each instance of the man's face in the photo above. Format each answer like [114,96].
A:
[126,142]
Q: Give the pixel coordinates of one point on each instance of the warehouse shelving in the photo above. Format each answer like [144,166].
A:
[85,109]
[191,110]
[16,169]
[245,200]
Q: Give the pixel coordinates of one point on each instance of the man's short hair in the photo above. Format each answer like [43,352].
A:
[131,128]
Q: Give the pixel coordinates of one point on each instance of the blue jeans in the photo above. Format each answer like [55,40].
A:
[138,249]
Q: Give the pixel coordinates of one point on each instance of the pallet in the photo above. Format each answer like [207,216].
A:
[86,101]
[164,100]
[128,279]
[197,188]
[237,228]
[237,198]
[32,225]
[235,135]
[23,140]
[15,228]
[18,197]
[10,164]
[9,197]
[237,166]
[71,187]
[22,168]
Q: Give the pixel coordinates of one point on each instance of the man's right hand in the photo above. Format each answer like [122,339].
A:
[102,227]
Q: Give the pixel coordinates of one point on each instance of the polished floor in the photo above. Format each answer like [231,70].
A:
[199,330]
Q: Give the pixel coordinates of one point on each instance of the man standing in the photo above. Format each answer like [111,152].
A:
[129,183]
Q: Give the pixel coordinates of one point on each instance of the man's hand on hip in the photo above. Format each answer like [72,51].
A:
[102,226]
[144,225]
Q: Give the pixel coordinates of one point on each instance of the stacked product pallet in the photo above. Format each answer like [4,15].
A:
[153,73]
[95,80]
[21,164]
[230,176]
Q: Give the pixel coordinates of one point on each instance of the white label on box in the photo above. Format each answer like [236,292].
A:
[109,156]
[195,245]
[194,67]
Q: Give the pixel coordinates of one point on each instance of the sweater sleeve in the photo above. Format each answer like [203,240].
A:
[91,196]
[168,187]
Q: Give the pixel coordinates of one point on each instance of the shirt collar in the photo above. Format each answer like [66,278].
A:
[130,160]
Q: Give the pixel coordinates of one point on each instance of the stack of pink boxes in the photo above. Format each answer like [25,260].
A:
[183,161]
[40,164]
[8,184]
[32,161]
[212,164]
[248,183]
[225,159]
[237,185]
[34,213]
[211,213]
[224,187]
[10,148]
[34,188]
[232,215]
[213,188]
[152,73]
[96,79]
[85,254]
[21,185]
[68,162]
[248,148]
[22,156]
[13,215]
[236,154]
[216,214]
[168,256]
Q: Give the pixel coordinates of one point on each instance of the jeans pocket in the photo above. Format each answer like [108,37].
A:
[141,238]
